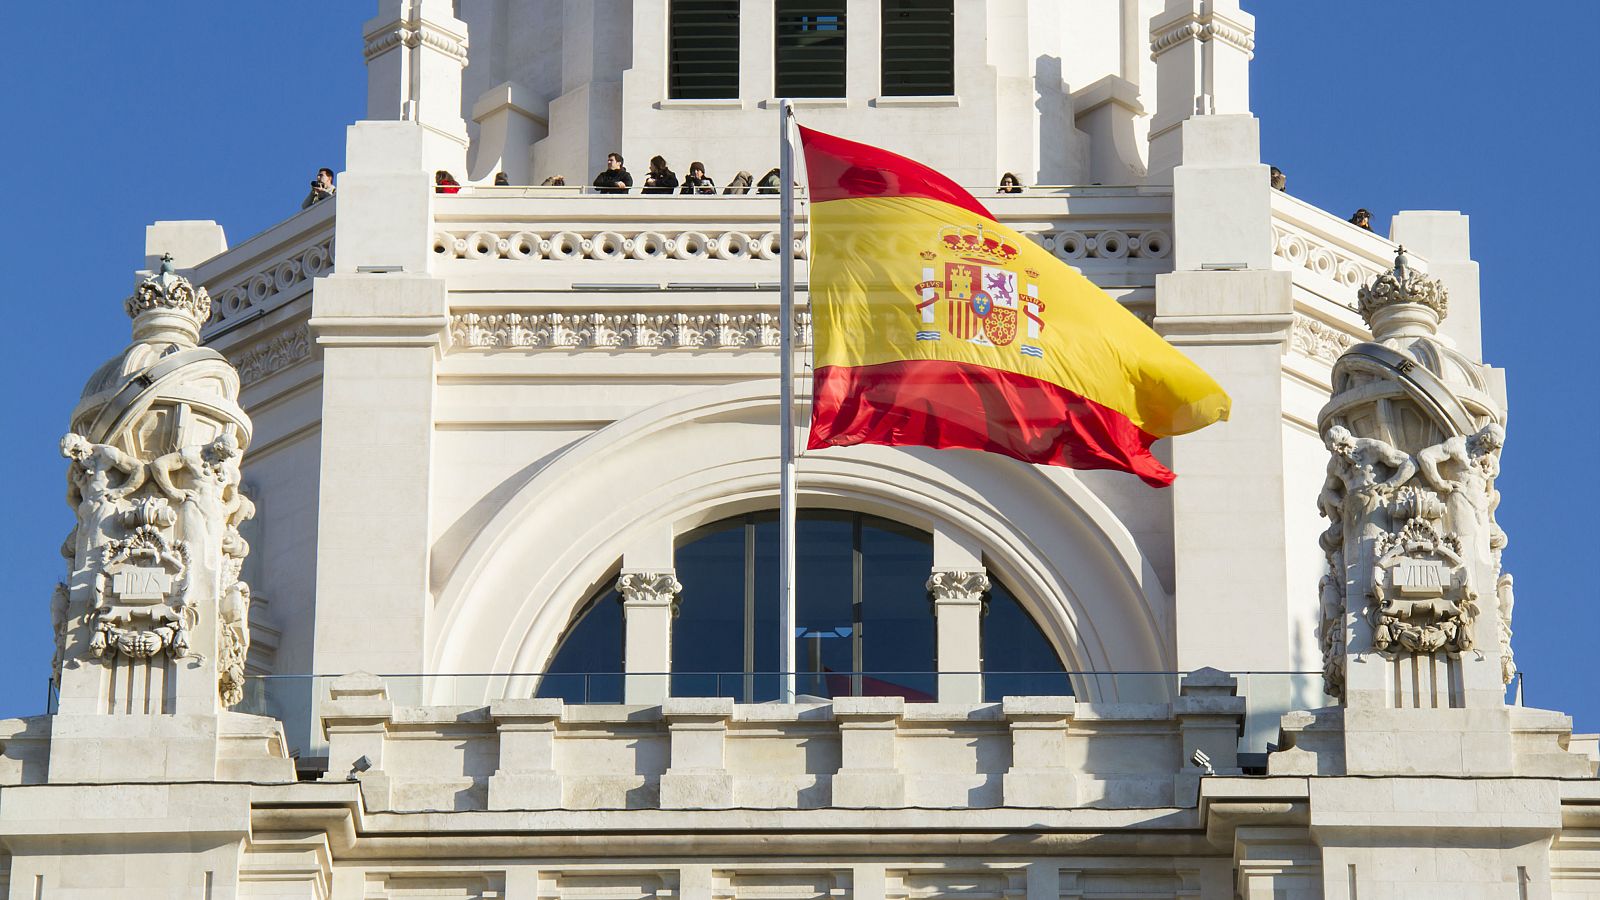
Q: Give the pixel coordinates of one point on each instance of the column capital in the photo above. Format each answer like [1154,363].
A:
[958,585]
[649,587]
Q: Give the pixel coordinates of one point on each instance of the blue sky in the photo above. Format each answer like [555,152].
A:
[204,110]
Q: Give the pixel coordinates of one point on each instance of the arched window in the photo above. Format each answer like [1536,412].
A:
[587,667]
[865,625]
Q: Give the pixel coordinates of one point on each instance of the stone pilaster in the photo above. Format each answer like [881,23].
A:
[1202,50]
[1210,718]
[868,776]
[415,52]
[355,721]
[1039,776]
[526,777]
[958,607]
[698,777]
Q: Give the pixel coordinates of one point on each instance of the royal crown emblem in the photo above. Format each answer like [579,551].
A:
[986,302]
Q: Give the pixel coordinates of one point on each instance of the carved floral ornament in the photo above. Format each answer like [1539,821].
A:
[620,331]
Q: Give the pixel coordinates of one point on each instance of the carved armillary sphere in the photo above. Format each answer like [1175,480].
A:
[1403,284]
[167,290]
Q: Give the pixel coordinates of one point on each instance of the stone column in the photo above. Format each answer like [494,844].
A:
[868,777]
[698,777]
[649,603]
[526,777]
[958,605]
[415,51]
[1202,51]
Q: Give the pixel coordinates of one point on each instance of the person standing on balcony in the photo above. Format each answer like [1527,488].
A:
[661,179]
[1279,181]
[769,183]
[1361,218]
[321,188]
[739,185]
[696,181]
[613,179]
[1009,184]
[445,183]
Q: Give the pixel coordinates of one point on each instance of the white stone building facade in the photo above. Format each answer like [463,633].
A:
[421,553]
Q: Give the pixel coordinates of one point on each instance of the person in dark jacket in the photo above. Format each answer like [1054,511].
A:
[696,181]
[1361,218]
[661,179]
[613,179]
[770,182]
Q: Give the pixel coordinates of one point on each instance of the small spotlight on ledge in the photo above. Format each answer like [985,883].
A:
[1224,267]
[1199,758]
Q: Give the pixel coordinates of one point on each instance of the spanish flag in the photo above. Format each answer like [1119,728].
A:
[937,326]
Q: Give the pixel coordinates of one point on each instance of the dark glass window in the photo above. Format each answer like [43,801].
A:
[1017,658]
[703,50]
[860,607]
[810,48]
[588,663]
[919,43]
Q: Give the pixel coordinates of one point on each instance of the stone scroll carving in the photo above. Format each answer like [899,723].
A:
[153,480]
[1414,434]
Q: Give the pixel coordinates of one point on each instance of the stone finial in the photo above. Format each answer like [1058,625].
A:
[166,306]
[1401,299]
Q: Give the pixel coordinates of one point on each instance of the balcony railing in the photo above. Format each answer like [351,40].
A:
[1267,695]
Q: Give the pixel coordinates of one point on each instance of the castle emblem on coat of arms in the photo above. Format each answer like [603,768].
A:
[971,291]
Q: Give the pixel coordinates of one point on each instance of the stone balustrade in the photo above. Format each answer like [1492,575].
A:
[269,270]
[713,753]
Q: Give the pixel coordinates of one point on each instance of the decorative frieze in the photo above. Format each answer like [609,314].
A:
[713,330]
[256,289]
[1316,339]
[614,246]
[1303,251]
[272,356]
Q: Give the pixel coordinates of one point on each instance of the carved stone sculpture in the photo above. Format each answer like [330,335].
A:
[153,479]
[1414,432]
[1508,663]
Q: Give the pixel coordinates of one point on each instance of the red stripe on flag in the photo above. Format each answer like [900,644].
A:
[937,403]
[839,169]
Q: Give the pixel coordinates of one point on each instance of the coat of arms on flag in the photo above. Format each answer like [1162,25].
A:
[985,301]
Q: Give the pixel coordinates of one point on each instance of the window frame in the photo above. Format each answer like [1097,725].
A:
[673,90]
[842,22]
[884,37]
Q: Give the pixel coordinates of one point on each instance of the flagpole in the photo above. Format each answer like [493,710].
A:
[786,488]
